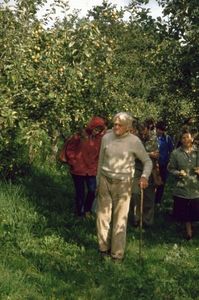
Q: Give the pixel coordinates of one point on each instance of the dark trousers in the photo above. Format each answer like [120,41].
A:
[185,210]
[160,189]
[85,188]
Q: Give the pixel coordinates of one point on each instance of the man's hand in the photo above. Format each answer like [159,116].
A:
[154,154]
[143,182]
[197,170]
[182,173]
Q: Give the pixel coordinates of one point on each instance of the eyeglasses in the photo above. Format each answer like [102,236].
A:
[118,125]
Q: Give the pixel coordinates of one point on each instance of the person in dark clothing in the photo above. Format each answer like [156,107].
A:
[150,143]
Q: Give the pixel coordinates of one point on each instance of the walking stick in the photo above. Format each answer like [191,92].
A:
[141,222]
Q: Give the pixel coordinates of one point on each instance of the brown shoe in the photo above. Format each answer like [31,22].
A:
[105,253]
[188,237]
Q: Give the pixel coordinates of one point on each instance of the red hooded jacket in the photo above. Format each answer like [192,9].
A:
[82,152]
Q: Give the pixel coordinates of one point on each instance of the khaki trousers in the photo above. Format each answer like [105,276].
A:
[112,213]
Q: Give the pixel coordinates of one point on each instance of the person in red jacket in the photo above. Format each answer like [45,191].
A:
[82,155]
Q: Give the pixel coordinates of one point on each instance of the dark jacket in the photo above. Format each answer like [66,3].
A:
[185,186]
[165,146]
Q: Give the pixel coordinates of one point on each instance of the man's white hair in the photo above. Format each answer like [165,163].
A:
[125,119]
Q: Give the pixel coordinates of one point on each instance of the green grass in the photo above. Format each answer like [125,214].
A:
[46,253]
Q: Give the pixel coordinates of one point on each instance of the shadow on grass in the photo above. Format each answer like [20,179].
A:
[51,192]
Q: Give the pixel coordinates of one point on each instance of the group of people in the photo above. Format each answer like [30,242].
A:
[114,165]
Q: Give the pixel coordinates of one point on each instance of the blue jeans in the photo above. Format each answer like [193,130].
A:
[85,188]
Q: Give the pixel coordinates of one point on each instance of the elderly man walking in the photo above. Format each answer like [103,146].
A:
[118,151]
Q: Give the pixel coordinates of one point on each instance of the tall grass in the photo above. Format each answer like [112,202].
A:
[46,253]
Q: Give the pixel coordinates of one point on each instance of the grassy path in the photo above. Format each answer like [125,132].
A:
[46,253]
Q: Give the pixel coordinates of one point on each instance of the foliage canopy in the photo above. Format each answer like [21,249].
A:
[54,78]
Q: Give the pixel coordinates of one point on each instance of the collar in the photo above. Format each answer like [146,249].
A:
[122,136]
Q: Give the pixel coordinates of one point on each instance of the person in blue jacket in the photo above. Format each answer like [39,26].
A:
[165,146]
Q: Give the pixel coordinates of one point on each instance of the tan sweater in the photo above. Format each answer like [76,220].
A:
[117,156]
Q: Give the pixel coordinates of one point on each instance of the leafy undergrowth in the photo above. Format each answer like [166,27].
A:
[47,253]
